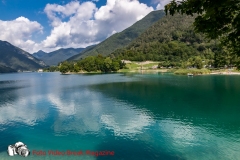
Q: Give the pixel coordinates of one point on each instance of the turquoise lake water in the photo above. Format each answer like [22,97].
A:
[134,116]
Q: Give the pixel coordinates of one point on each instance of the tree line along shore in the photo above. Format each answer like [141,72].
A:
[100,64]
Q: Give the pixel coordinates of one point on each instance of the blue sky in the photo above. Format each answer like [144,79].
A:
[52,24]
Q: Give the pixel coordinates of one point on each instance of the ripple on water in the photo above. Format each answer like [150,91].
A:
[137,117]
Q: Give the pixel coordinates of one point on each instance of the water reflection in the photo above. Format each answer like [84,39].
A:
[23,111]
[195,101]
[150,117]
[15,108]
[194,120]
[90,111]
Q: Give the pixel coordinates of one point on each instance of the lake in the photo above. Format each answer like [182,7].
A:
[127,116]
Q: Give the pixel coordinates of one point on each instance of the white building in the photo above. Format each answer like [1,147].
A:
[40,70]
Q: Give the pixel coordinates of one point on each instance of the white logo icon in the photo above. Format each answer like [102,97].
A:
[19,148]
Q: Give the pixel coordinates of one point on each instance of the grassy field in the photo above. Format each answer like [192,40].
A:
[192,71]
[139,66]
[150,66]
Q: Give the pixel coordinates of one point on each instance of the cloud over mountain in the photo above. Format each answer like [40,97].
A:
[20,31]
[161,3]
[84,24]
[74,24]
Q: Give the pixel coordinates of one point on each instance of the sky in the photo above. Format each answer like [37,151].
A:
[48,25]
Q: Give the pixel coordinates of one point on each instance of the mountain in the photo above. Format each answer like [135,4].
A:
[122,39]
[39,54]
[171,39]
[18,59]
[53,58]
[78,56]
[4,69]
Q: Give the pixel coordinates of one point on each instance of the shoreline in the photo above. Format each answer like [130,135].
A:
[155,71]
[152,67]
[145,70]
[225,73]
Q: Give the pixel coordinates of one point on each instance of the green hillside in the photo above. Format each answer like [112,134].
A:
[122,39]
[170,39]
[170,42]
[78,56]
[17,59]
[173,41]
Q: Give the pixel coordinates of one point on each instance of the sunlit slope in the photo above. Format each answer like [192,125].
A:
[122,39]
[171,39]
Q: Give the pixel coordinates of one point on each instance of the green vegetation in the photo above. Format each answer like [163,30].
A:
[92,64]
[132,66]
[216,19]
[173,41]
[148,66]
[51,69]
[122,39]
[138,65]
[192,71]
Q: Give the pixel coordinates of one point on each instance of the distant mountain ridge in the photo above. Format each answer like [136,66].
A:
[18,59]
[78,56]
[39,54]
[53,58]
[122,39]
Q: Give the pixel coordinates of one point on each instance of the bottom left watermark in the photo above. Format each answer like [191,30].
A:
[18,148]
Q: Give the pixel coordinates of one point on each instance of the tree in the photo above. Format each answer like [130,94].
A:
[107,64]
[217,19]
[76,68]
[198,62]
[115,66]
[64,67]
[88,64]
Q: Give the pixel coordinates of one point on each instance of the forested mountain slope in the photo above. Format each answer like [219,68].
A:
[122,39]
[172,40]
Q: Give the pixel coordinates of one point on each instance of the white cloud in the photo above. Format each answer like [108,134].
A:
[162,3]
[74,24]
[119,14]
[53,11]
[75,32]
[80,25]
[19,32]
